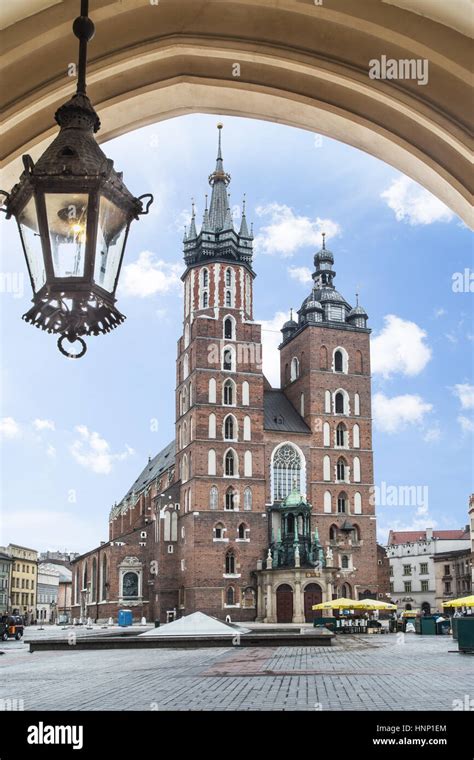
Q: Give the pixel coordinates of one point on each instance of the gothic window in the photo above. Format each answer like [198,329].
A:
[228,359]
[342,503]
[327,501]
[205,278]
[211,462]
[302,404]
[230,563]
[357,503]
[327,402]
[287,471]
[356,469]
[248,464]
[326,468]
[341,469]
[219,530]
[229,393]
[339,403]
[356,534]
[357,404]
[130,585]
[212,391]
[356,436]
[94,580]
[230,465]
[212,426]
[333,532]
[247,429]
[295,369]
[341,434]
[338,362]
[245,393]
[167,522]
[186,335]
[229,428]
[248,499]
[184,469]
[230,596]
[205,299]
[345,562]
[228,298]
[230,499]
[228,329]
[241,531]
[213,497]
[326,434]
[228,278]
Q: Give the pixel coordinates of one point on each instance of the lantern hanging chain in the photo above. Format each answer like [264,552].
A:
[84,29]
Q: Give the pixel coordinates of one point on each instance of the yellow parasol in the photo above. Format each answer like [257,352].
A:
[463,601]
[374,604]
[337,604]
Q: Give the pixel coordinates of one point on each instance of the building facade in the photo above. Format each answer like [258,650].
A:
[47,593]
[452,571]
[6,562]
[412,556]
[23,580]
[260,506]
[471,531]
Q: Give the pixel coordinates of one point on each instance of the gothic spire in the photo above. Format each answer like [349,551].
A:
[244,230]
[219,180]
[192,228]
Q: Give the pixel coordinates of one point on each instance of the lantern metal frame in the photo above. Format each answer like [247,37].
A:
[75,306]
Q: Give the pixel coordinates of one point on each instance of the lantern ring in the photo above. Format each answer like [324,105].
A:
[147,206]
[72,340]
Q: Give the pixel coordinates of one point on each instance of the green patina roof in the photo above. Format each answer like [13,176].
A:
[294,499]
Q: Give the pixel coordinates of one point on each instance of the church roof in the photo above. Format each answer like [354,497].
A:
[280,414]
[153,469]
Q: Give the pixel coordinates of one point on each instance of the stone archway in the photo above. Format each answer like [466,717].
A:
[284,603]
[313,594]
[290,61]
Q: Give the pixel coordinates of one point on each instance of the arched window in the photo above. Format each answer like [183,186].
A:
[356,534]
[339,403]
[84,577]
[356,470]
[345,562]
[326,468]
[219,530]
[212,391]
[205,278]
[186,335]
[185,400]
[287,471]
[323,357]
[302,404]
[230,467]
[333,533]
[247,429]
[184,469]
[327,502]
[338,362]
[357,404]
[346,592]
[342,503]
[245,393]
[94,580]
[230,428]
[205,300]
[248,464]
[341,469]
[76,588]
[230,596]
[228,278]
[230,563]
[230,499]
[241,531]
[212,426]
[326,434]
[228,359]
[185,434]
[130,585]
[295,369]
[248,499]
[228,393]
[213,497]
[356,436]
[229,328]
[167,523]
[228,298]
[357,503]
[341,435]
[327,402]
[211,462]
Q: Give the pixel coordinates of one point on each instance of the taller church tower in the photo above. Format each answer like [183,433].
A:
[219,415]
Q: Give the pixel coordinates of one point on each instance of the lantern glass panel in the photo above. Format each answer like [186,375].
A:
[67,223]
[28,224]
[111,232]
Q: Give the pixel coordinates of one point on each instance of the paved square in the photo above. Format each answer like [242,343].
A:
[393,672]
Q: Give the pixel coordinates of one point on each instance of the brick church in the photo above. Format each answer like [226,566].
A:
[260,507]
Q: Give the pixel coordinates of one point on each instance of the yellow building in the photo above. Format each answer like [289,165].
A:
[23,580]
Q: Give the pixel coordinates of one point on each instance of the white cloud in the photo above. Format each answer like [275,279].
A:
[467,424]
[419,520]
[149,275]
[433,434]
[413,204]
[394,414]
[399,348]
[93,452]
[44,425]
[287,232]
[302,274]
[271,339]
[51,452]
[9,428]
[465,394]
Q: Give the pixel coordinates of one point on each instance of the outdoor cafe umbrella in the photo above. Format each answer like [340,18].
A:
[373,604]
[463,601]
[337,604]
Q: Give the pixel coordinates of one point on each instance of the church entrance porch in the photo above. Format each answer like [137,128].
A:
[313,594]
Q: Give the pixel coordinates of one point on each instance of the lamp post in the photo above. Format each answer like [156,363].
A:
[74,213]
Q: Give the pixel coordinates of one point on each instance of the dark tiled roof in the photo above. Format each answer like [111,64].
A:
[155,467]
[280,414]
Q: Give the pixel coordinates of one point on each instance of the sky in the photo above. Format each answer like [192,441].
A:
[74,435]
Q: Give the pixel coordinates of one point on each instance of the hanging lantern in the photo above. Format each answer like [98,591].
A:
[74,213]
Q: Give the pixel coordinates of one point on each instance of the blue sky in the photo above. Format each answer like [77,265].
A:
[74,435]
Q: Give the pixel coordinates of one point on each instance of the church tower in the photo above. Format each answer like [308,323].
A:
[325,373]
[219,415]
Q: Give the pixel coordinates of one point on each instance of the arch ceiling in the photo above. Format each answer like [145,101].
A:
[301,64]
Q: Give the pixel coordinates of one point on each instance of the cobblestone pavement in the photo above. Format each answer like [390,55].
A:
[357,673]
